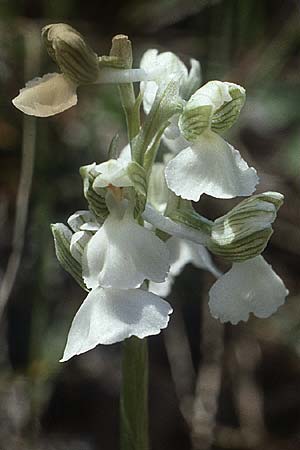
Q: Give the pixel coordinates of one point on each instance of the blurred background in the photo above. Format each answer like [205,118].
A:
[206,392]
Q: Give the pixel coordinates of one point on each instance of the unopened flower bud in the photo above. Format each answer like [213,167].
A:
[244,232]
[71,53]
[215,106]
[121,50]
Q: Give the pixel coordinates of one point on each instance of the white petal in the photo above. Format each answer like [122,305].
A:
[151,215]
[248,287]
[193,80]
[78,243]
[112,315]
[90,226]
[213,167]
[157,188]
[149,90]
[125,154]
[83,220]
[112,172]
[183,252]
[46,96]
[122,254]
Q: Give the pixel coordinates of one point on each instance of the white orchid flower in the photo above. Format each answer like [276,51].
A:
[112,315]
[209,164]
[55,92]
[122,254]
[162,66]
[107,316]
[248,287]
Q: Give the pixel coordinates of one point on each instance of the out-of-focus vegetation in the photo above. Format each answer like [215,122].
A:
[74,406]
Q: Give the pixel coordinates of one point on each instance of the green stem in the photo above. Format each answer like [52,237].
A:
[134,395]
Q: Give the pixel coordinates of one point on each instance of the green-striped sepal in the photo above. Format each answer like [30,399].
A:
[227,114]
[137,176]
[96,200]
[71,53]
[244,232]
[62,240]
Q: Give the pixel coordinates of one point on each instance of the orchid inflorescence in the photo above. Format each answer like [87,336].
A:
[140,228]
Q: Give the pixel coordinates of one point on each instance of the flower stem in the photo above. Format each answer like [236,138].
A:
[134,395]
[134,391]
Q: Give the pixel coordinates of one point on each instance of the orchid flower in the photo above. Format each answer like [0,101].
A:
[241,235]
[163,66]
[53,93]
[106,315]
[209,164]
[111,260]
